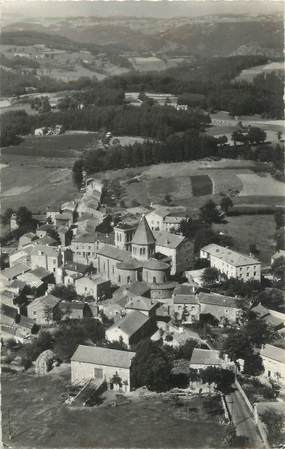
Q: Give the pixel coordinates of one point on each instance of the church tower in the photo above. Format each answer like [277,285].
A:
[143,243]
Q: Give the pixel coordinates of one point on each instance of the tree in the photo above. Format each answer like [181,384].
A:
[5,218]
[185,351]
[209,213]
[253,365]
[274,423]
[256,135]
[258,332]
[279,218]
[278,269]
[253,249]
[77,175]
[66,293]
[151,367]
[237,346]
[118,344]
[210,276]
[272,298]
[226,203]
[24,216]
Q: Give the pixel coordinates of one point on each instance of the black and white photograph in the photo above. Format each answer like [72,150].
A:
[142,224]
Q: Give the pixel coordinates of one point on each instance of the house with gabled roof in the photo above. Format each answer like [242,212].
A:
[131,329]
[185,305]
[177,247]
[221,306]
[95,286]
[273,359]
[144,305]
[102,365]
[42,309]
[232,263]
[203,358]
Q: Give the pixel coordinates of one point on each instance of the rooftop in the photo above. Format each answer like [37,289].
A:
[229,256]
[143,234]
[154,264]
[15,271]
[40,272]
[220,300]
[47,300]
[205,357]
[129,265]
[274,353]
[141,303]
[114,253]
[167,239]
[131,323]
[103,356]
[71,305]
[260,310]
[183,289]
[185,299]
[49,251]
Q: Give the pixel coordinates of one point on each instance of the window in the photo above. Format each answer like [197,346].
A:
[154,279]
[113,270]
[128,279]
[98,373]
[254,273]
[119,278]
[34,312]
[247,274]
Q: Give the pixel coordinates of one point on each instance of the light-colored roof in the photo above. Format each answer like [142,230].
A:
[273,321]
[16,270]
[49,251]
[205,357]
[30,279]
[229,256]
[103,356]
[131,323]
[114,253]
[183,289]
[274,353]
[220,300]
[141,303]
[154,264]
[96,280]
[40,272]
[143,234]
[71,305]
[185,299]
[167,239]
[260,310]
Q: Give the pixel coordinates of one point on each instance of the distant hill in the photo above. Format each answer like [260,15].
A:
[32,37]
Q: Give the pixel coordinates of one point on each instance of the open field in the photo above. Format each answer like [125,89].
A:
[250,229]
[39,418]
[260,185]
[249,74]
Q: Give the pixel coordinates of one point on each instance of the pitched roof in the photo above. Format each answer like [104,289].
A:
[273,321]
[40,272]
[76,267]
[143,234]
[15,271]
[229,256]
[183,289]
[260,310]
[71,305]
[95,280]
[114,253]
[131,323]
[103,356]
[220,300]
[185,299]
[274,353]
[167,239]
[205,357]
[49,251]
[9,311]
[141,303]
[154,264]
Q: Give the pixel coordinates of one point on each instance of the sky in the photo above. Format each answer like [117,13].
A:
[15,9]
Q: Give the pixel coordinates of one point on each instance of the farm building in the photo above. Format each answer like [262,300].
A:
[102,365]
[132,328]
[232,263]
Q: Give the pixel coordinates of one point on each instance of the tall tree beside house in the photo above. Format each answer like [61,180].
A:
[24,216]
[278,269]
[77,175]
[272,298]
[5,218]
[151,367]
[253,365]
[210,276]
[66,293]
[226,203]
[209,213]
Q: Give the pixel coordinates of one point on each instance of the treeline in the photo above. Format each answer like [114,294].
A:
[156,122]
[176,148]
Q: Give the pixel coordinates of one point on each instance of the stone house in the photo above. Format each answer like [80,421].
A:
[102,365]
[178,248]
[124,233]
[131,329]
[165,218]
[74,310]
[273,359]
[143,305]
[94,286]
[43,309]
[203,358]
[232,263]
[48,257]
[221,307]
[9,274]
[26,239]
[85,246]
[21,256]
[186,307]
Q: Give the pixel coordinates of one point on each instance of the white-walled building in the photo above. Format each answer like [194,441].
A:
[232,263]
[177,247]
[101,364]
[273,359]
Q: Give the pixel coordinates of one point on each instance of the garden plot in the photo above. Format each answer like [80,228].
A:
[260,185]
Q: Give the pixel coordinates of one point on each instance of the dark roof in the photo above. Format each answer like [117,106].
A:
[205,357]
[47,300]
[143,234]
[69,305]
[260,310]
[167,239]
[103,356]
[8,311]
[114,253]
[40,272]
[16,283]
[154,264]
[15,271]
[220,300]
[131,323]
[26,322]
[183,289]
[274,353]
[76,267]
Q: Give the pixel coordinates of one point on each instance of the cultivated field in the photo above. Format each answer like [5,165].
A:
[252,184]
[251,229]
[38,417]
[249,74]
